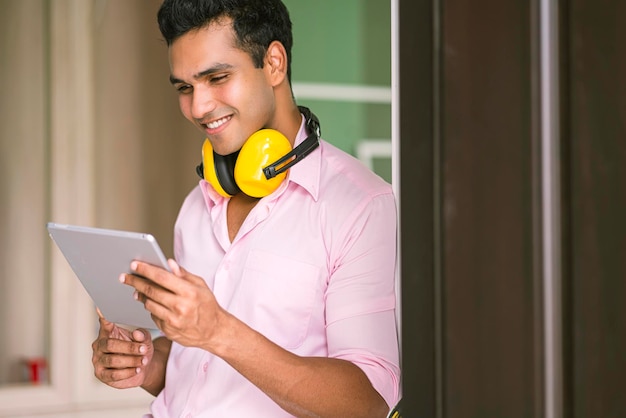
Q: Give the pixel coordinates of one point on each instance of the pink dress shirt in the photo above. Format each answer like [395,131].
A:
[312,268]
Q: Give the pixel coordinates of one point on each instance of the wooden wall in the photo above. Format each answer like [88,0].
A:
[473,259]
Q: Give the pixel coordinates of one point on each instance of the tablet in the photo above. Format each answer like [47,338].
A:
[98,257]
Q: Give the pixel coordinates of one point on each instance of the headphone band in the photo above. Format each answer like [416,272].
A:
[312,122]
[302,150]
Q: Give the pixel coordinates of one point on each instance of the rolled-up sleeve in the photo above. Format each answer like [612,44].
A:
[360,299]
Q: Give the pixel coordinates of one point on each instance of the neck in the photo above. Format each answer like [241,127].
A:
[288,118]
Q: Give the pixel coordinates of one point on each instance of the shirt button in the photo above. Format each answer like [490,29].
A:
[205,367]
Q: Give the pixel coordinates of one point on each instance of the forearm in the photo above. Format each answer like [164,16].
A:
[155,372]
[303,386]
[325,387]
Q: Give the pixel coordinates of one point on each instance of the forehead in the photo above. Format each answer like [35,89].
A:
[202,48]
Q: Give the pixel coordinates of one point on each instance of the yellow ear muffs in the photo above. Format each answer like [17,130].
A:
[263,148]
[262,163]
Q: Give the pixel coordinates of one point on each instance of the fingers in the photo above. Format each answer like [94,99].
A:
[176,269]
[148,290]
[174,298]
[111,376]
[113,339]
[119,363]
[159,285]
[166,279]
[114,345]
[118,370]
[120,355]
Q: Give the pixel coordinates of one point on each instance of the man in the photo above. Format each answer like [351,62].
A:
[277,305]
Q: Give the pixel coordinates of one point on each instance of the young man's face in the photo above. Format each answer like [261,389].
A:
[219,89]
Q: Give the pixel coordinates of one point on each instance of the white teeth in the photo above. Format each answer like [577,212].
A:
[217,123]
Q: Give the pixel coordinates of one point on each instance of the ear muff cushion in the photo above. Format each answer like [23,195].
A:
[218,170]
[263,148]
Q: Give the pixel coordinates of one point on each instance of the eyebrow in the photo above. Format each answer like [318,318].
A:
[214,69]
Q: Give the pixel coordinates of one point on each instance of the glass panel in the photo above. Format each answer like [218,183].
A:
[342,70]
[346,41]
[344,123]
[23,187]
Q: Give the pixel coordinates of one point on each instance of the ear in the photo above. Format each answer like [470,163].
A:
[276,63]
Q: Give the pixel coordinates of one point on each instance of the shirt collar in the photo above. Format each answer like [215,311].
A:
[306,173]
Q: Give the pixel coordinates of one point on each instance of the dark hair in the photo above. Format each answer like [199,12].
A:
[256,23]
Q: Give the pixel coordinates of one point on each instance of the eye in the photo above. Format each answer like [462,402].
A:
[183,88]
[218,78]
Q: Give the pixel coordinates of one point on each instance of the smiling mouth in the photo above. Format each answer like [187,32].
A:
[217,123]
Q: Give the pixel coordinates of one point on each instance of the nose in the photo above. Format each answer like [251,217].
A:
[202,103]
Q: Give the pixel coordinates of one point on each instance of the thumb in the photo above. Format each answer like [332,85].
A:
[175,267]
[105,326]
[179,271]
[140,335]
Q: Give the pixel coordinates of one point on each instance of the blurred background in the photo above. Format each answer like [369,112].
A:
[91,134]
[499,124]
